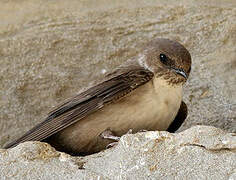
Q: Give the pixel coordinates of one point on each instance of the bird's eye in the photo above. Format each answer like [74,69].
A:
[189,70]
[163,58]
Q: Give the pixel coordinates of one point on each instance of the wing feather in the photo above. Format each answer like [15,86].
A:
[86,103]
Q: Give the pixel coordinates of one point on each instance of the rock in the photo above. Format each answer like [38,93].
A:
[200,152]
[50,50]
[37,160]
[48,54]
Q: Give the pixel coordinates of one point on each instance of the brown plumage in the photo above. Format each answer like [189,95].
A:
[143,93]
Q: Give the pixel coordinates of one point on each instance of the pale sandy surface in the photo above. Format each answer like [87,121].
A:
[200,152]
[49,50]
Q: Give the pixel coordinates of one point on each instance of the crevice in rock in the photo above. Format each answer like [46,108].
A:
[212,150]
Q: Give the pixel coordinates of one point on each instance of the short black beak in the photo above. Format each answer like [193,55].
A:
[180,72]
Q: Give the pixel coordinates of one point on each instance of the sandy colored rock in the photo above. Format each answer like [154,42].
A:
[200,152]
[36,160]
[50,50]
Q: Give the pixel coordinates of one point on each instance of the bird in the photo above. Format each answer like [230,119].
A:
[143,93]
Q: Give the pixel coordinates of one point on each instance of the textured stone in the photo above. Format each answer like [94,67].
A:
[51,49]
[36,160]
[200,152]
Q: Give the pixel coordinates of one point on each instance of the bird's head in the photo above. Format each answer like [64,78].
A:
[168,59]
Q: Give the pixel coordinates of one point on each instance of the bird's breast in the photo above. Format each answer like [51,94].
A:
[152,106]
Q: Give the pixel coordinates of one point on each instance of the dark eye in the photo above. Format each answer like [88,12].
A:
[189,70]
[163,58]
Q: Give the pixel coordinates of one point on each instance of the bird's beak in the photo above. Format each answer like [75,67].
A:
[180,72]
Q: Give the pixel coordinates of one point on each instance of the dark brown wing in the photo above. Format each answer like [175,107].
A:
[179,119]
[87,102]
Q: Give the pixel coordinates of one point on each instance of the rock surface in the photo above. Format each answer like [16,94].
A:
[200,152]
[51,49]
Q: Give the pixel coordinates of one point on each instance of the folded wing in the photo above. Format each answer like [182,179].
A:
[117,86]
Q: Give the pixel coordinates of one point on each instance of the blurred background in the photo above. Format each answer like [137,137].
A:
[49,50]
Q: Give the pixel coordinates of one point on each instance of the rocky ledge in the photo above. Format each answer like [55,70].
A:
[201,152]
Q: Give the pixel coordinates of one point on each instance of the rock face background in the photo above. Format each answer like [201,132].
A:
[50,49]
